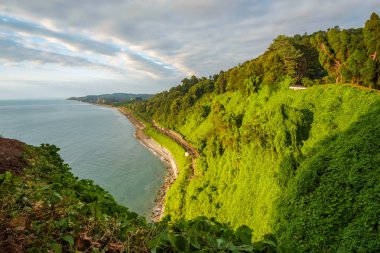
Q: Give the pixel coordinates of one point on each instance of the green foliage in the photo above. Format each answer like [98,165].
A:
[203,235]
[372,36]
[58,212]
[351,55]
[254,145]
[332,204]
[254,134]
[47,209]
[6,178]
[283,52]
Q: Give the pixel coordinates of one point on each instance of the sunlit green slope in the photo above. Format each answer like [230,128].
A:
[299,163]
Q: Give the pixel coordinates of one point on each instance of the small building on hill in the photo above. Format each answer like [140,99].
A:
[297,87]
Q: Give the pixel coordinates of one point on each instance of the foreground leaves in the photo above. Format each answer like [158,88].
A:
[47,209]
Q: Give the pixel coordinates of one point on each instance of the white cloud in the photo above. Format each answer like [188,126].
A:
[159,42]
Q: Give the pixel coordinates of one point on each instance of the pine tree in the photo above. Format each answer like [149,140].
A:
[372,36]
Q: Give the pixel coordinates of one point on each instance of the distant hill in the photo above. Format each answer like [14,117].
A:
[114,98]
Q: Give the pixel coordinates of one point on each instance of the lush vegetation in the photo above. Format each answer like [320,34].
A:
[44,208]
[302,164]
[114,99]
[332,202]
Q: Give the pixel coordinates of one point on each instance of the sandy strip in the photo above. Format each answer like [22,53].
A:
[164,154]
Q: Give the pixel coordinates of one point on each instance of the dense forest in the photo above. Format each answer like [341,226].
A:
[302,164]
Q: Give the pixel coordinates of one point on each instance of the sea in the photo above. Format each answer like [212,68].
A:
[97,142]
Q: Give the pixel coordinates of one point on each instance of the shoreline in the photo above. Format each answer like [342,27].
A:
[163,154]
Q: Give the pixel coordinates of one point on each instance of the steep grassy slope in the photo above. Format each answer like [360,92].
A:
[333,201]
[257,150]
[299,163]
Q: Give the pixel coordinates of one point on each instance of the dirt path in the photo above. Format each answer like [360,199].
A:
[177,138]
[183,143]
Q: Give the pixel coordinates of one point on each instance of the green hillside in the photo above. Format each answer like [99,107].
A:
[301,164]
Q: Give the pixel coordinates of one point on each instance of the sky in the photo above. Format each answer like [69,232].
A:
[62,48]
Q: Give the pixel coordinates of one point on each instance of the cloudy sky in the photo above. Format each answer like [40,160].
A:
[61,48]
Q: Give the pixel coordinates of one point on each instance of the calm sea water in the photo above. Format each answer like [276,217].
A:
[97,143]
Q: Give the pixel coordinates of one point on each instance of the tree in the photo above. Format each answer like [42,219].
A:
[221,83]
[372,36]
[252,84]
[355,65]
[289,54]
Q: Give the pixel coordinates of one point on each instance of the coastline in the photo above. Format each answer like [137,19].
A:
[163,154]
